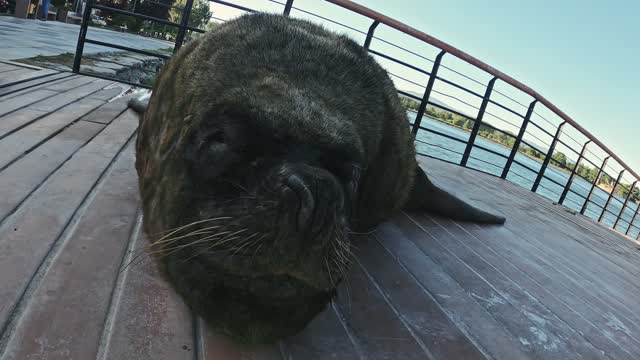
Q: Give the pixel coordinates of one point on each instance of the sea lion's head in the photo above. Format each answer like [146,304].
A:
[248,176]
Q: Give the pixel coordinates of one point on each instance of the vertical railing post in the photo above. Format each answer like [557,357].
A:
[184,22]
[548,157]
[611,194]
[516,144]
[635,215]
[593,185]
[287,7]
[573,173]
[478,122]
[84,26]
[427,92]
[624,205]
[372,29]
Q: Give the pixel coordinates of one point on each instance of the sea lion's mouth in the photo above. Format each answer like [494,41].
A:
[239,273]
[261,274]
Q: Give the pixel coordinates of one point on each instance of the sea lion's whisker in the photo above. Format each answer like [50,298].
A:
[196,232]
[166,251]
[179,247]
[346,286]
[329,272]
[343,274]
[255,252]
[246,241]
[340,254]
[226,239]
[191,224]
[131,265]
[210,247]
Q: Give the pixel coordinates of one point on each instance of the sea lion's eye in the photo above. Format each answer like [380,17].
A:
[216,137]
[215,141]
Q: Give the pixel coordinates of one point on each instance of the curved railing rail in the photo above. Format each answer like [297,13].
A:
[593,192]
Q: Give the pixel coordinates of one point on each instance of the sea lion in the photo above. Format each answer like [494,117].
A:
[265,143]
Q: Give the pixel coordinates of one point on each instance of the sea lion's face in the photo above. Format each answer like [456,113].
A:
[265,208]
[252,226]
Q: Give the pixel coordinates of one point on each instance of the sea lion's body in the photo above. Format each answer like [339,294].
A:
[274,138]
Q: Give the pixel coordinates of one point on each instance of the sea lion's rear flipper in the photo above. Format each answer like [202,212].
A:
[425,196]
[139,103]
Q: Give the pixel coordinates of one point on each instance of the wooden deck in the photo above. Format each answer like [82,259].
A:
[547,285]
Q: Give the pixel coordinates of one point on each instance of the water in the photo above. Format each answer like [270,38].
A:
[444,148]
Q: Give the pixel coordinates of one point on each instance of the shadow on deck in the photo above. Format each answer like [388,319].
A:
[547,285]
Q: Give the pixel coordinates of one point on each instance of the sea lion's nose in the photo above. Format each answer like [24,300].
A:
[302,204]
[311,198]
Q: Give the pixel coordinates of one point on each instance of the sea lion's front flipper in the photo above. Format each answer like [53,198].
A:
[139,103]
[425,196]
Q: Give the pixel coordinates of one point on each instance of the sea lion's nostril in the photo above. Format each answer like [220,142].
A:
[304,202]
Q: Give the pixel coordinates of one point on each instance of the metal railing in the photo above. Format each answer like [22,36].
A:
[626,218]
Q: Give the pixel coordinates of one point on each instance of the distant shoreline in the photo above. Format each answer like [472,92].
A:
[604,187]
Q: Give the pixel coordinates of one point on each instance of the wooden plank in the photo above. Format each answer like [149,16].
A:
[25,76]
[56,102]
[324,338]
[604,285]
[618,346]
[521,313]
[471,318]
[14,103]
[107,112]
[377,331]
[25,139]
[415,304]
[27,91]
[109,93]
[21,65]
[72,298]
[568,239]
[24,115]
[573,244]
[27,236]
[19,180]
[13,75]
[6,91]
[579,303]
[7,72]
[213,346]
[7,67]
[72,83]
[18,119]
[502,300]
[147,319]
[570,245]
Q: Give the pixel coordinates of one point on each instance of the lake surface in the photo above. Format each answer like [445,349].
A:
[444,148]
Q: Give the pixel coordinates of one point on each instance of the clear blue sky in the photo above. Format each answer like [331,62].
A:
[583,56]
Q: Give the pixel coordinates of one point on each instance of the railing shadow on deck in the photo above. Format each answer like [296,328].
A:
[508,145]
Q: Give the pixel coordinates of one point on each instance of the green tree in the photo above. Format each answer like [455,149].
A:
[409,103]
[200,13]
[560,158]
[459,122]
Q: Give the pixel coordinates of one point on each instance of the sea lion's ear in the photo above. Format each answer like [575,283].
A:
[139,103]
[427,197]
